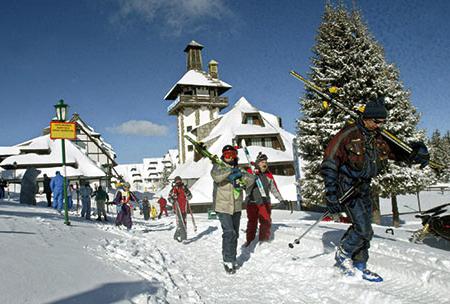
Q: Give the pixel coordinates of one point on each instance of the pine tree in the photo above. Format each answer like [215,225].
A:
[347,56]
[440,152]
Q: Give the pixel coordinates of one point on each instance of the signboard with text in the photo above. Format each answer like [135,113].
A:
[63,130]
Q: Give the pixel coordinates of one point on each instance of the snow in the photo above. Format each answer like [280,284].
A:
[89,262]
[196,78]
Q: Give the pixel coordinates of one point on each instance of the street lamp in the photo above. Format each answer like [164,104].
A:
[61,113]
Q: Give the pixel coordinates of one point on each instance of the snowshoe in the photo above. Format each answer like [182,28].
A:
[229,267]
[366,273]
[344,262]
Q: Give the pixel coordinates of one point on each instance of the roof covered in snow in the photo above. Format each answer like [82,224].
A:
[78,164]
[196,78]
[230,126]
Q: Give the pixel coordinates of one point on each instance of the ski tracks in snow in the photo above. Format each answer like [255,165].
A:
[273,273]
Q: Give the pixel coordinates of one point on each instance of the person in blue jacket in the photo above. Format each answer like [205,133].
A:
[57,187]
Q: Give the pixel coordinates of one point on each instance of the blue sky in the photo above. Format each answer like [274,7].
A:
[113,61]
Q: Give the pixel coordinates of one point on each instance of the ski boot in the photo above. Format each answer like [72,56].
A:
[366,273]
[229,267]
[344,262]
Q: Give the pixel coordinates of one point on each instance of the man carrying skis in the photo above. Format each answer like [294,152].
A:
[227,206]
[354,156]
[179,196]
[258,204]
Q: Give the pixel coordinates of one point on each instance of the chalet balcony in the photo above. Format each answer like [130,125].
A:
[195,101]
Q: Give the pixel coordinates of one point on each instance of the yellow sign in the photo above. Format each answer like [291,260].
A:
[63,130]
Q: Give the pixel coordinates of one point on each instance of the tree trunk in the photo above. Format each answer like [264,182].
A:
[395,214]
[376,214]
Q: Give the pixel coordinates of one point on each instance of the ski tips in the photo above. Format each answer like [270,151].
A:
[291,245]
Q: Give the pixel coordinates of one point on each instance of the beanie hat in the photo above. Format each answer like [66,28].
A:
[177,178]
[375,109]
[261,157]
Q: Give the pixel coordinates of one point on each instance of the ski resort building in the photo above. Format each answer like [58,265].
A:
[148,176]
[196,98]
[261,131]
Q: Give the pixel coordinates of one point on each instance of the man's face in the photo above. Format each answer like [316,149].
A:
[229,156]
[373,123]
[263,165]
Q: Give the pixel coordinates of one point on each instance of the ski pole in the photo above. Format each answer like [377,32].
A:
[192,217]
[341,200]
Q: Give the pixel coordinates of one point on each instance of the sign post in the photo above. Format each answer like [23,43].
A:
[63,130]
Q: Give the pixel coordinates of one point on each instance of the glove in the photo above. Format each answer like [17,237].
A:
[333,205]
[234,175]
[419,154]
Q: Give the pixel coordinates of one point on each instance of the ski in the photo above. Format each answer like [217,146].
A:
[192,217]
[253,169]
[201,148]
[355,115]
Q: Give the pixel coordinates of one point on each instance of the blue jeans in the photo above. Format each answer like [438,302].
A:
[230,227]
[86,207]
[356,241]
[58,198]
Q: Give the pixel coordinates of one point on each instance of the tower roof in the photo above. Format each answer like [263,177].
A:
[193,45]
[196,78]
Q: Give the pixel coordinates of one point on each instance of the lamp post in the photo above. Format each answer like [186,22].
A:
[61,113]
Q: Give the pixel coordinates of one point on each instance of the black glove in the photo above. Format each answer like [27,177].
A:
[333,205]
[419,154]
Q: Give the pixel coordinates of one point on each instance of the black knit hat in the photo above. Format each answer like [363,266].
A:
[177,178]
[375,109]
[261,157]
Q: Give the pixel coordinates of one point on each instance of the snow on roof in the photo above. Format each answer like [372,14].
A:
[78,164]
[196,78]
[226,130]
[8,151]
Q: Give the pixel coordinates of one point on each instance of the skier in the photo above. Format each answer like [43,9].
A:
[57,187]
[153,212]
[179,195]
[101,197]
[162,207]
[354,156]
[124,216]
[146,208]
[227,206]
[47,190]
[2,188]
[258,204]
[85,193]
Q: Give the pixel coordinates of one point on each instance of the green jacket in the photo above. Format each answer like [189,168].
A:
[223,198]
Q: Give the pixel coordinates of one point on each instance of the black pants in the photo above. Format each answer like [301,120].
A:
[49,198]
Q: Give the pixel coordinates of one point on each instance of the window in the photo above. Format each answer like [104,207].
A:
[189,128]
[190,148]
[253,119]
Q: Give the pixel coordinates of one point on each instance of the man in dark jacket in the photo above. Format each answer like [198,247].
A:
[354,156]
[47,190]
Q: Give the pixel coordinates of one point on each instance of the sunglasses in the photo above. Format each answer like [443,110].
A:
[378,121]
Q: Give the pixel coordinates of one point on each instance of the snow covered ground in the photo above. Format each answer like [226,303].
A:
[44,261]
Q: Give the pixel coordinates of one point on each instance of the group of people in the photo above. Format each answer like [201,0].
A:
[352,158]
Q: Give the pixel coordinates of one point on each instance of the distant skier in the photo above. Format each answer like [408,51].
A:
[124,216]
[101,197]
[2,188]
[162,207]
[227,206]
[179,195]
[57,187]
[258,204]
[146,208]
[153,212]
[354,156]
[47,190]
[85,193]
